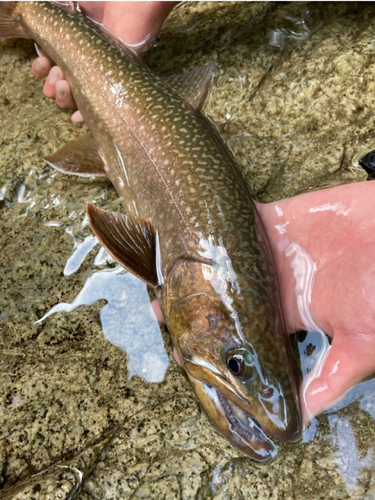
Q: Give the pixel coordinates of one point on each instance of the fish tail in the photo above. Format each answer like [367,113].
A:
[10,21]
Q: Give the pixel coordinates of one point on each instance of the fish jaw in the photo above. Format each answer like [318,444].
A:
[245,422]
[235,425]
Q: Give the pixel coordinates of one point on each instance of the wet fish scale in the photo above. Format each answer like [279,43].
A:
[171,169]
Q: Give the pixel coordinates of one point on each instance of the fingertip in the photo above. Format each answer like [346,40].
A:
[64,96]
[77,117]
[157,312]
[315,398]
[177,356]
[41,67]
[348,361]
[49,90]
[53,77]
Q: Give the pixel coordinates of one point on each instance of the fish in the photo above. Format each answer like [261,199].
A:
[190,230]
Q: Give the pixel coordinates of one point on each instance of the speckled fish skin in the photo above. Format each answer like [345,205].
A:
[219,293]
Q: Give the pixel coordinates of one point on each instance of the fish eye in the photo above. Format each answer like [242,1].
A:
[240,362]
[235,363]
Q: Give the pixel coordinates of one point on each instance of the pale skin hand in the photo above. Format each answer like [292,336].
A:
[132,22]
[336,227]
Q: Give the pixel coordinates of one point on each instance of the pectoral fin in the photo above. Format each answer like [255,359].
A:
[193,86]
[131,241]
[79,157]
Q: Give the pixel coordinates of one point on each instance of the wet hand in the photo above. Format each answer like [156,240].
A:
[136,23]
[336,229]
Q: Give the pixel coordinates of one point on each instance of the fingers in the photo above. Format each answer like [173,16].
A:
[77,117]
[41,66]
[157,312]
[63,96]
[349,360]
[57,88]
[53,77]
[177,356]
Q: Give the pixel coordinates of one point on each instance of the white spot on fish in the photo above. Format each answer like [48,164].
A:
[221,275]
[201,362]
[122,164]
[135,207]
[118,90]
[159,268]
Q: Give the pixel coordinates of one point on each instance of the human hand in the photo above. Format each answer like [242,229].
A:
[336,229]
[135,23]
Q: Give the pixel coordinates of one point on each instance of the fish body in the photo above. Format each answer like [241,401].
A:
[191,229]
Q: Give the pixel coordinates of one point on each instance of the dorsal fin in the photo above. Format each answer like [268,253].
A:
[79,157]
[193,86]
[131,241]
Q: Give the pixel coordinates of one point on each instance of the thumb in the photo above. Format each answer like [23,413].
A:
[348,361]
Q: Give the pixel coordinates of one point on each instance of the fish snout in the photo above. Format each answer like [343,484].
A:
[234,424]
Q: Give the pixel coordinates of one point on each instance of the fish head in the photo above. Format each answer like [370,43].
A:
[244,388]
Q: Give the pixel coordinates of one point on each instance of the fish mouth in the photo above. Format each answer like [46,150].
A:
[235,424]
[240,428]
[236,417]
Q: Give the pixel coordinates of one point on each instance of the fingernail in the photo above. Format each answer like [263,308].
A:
[54,76]
[39,67]
[60,94]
